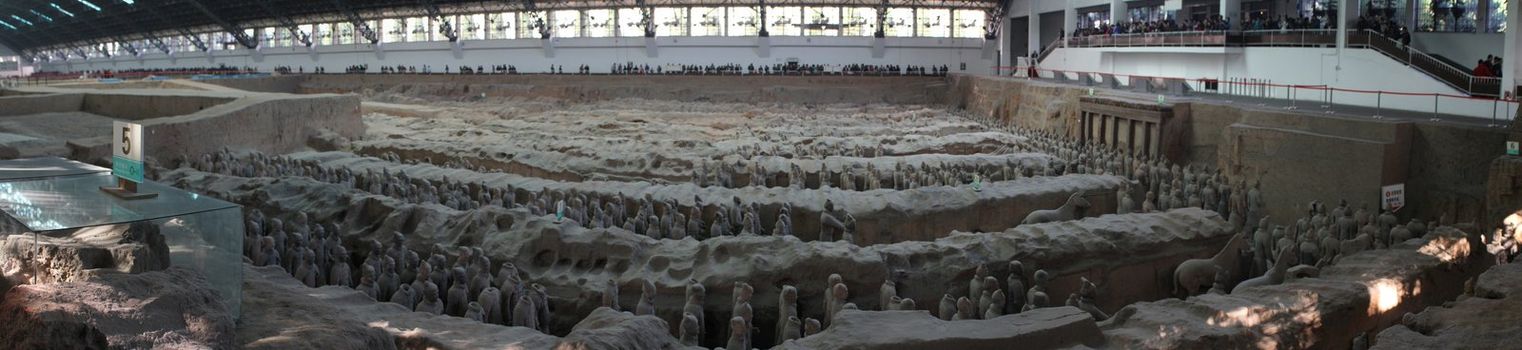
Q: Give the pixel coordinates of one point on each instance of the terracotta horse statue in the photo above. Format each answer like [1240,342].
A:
[1067,211]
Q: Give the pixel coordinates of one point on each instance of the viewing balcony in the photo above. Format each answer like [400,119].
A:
[1459,78]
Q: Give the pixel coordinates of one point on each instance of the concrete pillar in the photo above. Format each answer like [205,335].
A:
[1033,31]
[1510,54]
[1342,30]
[1119,13]
[1069,20]
[1171,8]
[1231,10]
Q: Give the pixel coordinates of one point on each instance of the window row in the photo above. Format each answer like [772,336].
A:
[599,23]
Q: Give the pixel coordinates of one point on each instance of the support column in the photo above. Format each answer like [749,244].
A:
[1509,55]
[1231,10]
[1069,20]
[1342,31]
[1033,31]
[1119,13]
[1172,7]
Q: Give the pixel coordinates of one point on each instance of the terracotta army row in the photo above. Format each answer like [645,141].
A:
[660,219]
[456,282]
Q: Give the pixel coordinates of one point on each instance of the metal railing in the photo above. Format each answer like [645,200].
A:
[1438,107]
[1291,37]
[1459,78]
[1047,51]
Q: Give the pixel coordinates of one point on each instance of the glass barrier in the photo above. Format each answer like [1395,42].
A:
[62,228]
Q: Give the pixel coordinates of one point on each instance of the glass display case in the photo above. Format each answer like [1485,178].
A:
[61,227]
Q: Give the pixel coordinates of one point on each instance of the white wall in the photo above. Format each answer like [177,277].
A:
[1464,48]
[1360,69]
[531,55]
[20,71]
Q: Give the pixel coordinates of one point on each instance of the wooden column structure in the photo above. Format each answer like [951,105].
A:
[1133,127]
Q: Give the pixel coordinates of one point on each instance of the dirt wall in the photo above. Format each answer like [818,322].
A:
[582,88]
[1299,155]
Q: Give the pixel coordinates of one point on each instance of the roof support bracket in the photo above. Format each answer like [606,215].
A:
[359,22]
[445,27]
[231,28]
[285,21]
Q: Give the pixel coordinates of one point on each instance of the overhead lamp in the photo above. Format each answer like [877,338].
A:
[60,9]
[8,25]
[88,4]
[39,14]
[23,20]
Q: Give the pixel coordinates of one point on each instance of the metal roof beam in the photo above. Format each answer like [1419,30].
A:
[359,22]
[993,21]
[24,34]
[231,28]
[444,26]
[285,21]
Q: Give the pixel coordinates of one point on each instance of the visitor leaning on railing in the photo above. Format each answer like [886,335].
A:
[1162,26]
[1387,27]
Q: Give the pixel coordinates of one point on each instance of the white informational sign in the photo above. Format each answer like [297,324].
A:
[127,151]
[1511,148]
[1393,197]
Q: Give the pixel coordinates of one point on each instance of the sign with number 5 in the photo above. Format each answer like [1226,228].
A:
[127,151]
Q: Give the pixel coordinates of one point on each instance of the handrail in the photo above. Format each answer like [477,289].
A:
[1460,78]
[1381,100]
[1047,51]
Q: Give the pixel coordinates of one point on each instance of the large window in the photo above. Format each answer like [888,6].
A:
[934,23]
[266,37]
[784,21]
[859,21]
[284,37]
[969,24]
[500,26]
[309,30]
[600,23]
[743,21]
[821,21]
[671,21]
[343,33]
[419,29]
[1496,21]
[395,30]
[529,24]
[630,22]
[566,23]
[323,35]
[1443,15]
[708,21]
[472,27]
[900,22]
[1447,15]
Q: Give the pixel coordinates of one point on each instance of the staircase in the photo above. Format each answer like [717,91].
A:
[1458,77]
[1048,50]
